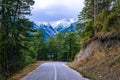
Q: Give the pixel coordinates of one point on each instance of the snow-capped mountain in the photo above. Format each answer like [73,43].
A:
[60,24]
[50,29]
[71,28]
[35,26]
[64,23]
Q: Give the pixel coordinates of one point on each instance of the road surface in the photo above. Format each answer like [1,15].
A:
[54,71]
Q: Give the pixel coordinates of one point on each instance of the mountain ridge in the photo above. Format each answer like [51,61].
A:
[65,22]
[51,29]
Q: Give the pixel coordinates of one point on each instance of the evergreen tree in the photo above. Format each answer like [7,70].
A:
[51,49]
[13,31]
[58,44]
[39,45]
[99,16]
[71,46]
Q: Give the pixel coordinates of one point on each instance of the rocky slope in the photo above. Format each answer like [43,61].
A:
[100,57]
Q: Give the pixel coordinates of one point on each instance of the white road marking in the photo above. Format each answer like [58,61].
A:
[55,76]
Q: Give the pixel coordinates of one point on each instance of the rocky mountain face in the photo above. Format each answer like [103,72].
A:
[51,29]
[48,31]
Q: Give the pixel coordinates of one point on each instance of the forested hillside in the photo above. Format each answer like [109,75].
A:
[100,16]
[99,58]
[14,36]
[62,47]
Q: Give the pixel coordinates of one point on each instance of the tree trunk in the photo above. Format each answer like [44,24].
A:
[95,11]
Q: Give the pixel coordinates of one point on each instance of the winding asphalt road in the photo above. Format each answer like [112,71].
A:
[54,71]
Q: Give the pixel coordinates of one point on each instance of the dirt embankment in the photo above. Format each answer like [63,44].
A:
[100,58]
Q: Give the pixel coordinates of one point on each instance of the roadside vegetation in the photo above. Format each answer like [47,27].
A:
[100,40]
[26,70]
[100,17]
[100,65]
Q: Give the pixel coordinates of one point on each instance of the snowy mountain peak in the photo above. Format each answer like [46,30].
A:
[42,23]
[64,23]
[51,29]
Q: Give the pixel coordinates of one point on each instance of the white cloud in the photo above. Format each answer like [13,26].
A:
[45,4]
[49,10]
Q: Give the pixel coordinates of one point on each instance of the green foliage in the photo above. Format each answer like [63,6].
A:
[109,22]
[29,60]
[101,17]
[88,31]
[62,47]
[80,26]
[106,21]
[119,60]
[14,35]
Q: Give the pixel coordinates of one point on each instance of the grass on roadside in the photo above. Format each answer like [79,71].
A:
[83,73]
[26,70]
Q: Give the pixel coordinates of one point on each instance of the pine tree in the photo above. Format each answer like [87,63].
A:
[99,16]
[39,45]
[71,46]
[13,30]
[58,44]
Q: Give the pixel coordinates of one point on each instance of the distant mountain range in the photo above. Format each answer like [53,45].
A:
[51,29]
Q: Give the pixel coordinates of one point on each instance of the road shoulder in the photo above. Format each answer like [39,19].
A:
[26,70]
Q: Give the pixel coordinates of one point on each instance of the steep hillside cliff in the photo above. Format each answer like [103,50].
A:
[100,57]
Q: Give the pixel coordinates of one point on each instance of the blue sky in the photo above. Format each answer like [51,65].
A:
[53,10]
